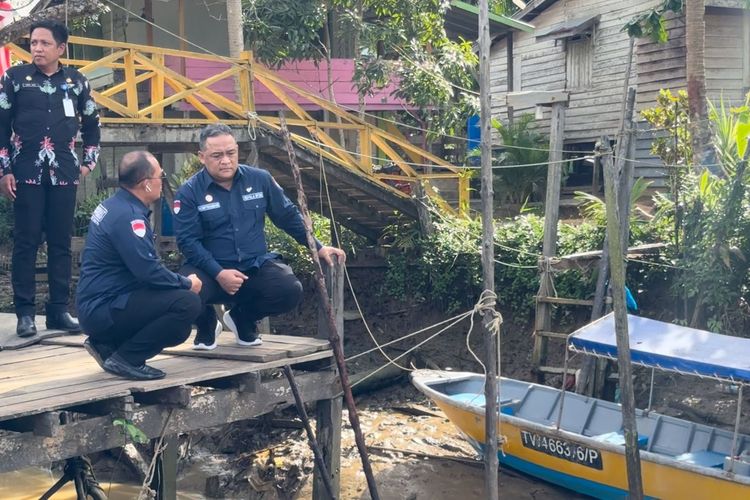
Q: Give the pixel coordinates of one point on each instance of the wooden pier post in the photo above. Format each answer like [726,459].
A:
[328,411]
[612,179]
[491,461]
[165,477]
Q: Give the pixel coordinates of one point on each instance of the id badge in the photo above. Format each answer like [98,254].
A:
[70,112]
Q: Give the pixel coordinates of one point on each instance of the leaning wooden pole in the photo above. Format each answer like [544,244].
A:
[612,178]
[488,258]
[317,453]
[334,339]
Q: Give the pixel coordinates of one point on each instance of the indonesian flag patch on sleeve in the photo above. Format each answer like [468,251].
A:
[176,206]
[139,227]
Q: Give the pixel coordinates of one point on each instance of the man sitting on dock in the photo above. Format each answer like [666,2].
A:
[129,304]
[220,215]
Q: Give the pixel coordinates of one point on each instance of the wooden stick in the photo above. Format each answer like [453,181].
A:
[491,340]
[333,331]
[324,474]
[617,272]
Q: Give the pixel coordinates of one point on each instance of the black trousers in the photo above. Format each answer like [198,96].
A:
[273,289]
[42,209]
[151,321]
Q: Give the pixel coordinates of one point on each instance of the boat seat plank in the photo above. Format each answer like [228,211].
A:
[703,458]
[618,438]
[507,405]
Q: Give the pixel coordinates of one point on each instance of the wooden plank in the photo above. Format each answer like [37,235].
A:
[207,410]
[553,335]
[9,340]
[41,351]
[90,384]
[228,349]
[565,301]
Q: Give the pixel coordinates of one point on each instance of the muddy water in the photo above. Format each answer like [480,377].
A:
[400,475]
[430,474]
[30,484]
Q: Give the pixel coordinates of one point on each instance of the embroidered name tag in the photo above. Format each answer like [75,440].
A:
[252,196]
[98,214]
[209,206]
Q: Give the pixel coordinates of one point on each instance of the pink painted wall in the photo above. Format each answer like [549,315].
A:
[304,74]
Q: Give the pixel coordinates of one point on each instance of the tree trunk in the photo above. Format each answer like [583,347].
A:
[695,35]
[235,34]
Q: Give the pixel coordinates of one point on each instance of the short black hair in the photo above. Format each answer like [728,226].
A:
[213,130]
[135,166]
[59,30]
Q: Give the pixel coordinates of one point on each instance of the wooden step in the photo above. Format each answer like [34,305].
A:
[553,335]
[556,369]
[565,301]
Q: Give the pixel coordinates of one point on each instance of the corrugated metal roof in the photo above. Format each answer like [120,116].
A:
[463,19]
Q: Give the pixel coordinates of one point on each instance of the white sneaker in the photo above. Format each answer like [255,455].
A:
[204,346]
[233,327]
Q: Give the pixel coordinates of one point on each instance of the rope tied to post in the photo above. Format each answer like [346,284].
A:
[485,307]
[252,122]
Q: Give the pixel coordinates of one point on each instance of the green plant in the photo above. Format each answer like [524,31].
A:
[525,146]
[83,212]
[129,429]
[445,269]
[298,256]
[712,228]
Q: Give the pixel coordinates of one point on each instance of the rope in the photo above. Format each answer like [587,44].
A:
[410,350]
[485,306]
[252,119]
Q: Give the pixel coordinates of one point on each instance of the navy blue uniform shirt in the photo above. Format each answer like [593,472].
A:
[224,229]
[119,257]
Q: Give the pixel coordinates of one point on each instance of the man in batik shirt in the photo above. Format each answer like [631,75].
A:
[42,107]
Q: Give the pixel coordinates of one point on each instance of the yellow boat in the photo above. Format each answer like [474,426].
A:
[576,441]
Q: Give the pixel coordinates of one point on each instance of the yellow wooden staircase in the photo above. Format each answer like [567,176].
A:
[367,180]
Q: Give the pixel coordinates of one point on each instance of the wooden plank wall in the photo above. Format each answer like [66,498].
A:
[541,65]
[662,66]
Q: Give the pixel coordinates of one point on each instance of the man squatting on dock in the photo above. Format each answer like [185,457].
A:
[129,304]
[220,217]
[132,307]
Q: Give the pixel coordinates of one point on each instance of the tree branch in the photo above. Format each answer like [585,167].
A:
[76,9]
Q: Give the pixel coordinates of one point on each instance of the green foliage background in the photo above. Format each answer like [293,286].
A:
[445,269]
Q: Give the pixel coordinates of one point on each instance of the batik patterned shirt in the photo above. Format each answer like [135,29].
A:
[36,131]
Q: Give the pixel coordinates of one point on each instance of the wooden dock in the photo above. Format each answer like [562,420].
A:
[56,381]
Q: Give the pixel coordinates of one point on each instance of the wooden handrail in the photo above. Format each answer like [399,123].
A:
[142,64]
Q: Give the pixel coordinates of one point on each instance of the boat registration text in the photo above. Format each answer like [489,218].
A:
[561,448]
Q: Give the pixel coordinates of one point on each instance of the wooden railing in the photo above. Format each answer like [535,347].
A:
[146,90]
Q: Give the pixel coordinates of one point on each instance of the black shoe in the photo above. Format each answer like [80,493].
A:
[25,326]
[63,321]
[100,352]
[118,366]
[246,336]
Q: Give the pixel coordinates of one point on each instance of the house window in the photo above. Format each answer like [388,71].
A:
[579,61]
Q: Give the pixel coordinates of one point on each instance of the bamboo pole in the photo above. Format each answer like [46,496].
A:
[333,338]
[617,272]
[488,257]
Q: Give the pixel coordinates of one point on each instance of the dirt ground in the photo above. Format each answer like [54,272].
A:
[416,453]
